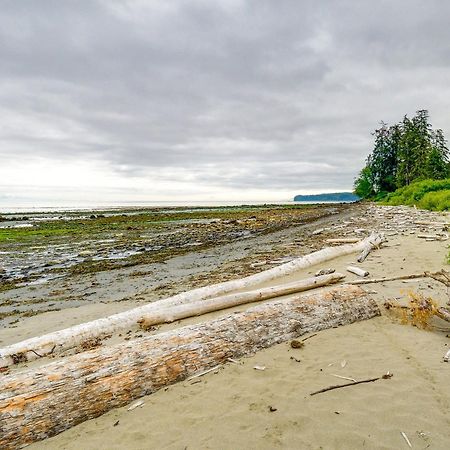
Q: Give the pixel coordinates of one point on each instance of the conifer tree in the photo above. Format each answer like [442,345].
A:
[408,151]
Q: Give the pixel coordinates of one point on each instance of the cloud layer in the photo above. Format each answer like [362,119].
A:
[208,100]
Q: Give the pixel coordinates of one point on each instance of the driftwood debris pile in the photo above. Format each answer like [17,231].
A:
[390,220]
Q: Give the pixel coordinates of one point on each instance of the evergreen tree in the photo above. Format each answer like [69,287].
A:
[437,165]
[408,151]
[383,160]
[415,145]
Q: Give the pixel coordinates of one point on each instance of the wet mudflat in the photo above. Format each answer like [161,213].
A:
[57,260]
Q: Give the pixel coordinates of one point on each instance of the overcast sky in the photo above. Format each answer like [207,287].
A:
[116,101]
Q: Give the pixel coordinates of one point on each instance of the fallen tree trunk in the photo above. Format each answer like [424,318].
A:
[40,403]
[58,341]
[227,301]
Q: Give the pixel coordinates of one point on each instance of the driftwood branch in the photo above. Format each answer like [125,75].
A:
[74,336]
[40,403]
[353,383]
[442,276]
[399,277]
[375,243]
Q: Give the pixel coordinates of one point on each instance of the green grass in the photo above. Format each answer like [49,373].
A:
[433,195]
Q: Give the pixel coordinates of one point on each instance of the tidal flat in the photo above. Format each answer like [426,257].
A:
[46,259]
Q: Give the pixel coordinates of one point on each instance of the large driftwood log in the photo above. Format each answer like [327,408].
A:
[61,340]
[227,301]
[42,402]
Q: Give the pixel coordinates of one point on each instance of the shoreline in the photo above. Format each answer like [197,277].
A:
[177,266]
[229,408]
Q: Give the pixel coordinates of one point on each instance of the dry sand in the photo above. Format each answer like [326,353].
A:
[230,409]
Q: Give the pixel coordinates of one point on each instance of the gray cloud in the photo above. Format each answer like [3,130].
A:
[239,94]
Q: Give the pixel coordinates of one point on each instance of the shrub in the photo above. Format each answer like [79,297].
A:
[426,194]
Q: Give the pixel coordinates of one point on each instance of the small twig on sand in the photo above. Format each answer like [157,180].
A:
[203,373]
[344,378]
[406,439]
[41,356]
[52,350]
[309,337]
[442,276]
[370,380]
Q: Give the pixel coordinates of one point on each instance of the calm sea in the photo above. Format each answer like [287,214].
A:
[142,205]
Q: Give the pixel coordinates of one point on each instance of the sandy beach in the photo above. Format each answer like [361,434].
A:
[237,406]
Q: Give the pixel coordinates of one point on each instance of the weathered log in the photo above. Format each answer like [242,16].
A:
[61,340]
[42,402]
[227,301]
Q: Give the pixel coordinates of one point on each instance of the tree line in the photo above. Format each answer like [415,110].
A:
[408,151]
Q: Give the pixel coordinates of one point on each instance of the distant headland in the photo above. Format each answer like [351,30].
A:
[332,197]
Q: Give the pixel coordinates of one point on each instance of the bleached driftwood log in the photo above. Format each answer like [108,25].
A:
[61,340]
[42,402]
[240,298]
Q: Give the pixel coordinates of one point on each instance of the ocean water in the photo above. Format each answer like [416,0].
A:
[143,205]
